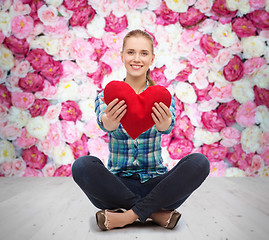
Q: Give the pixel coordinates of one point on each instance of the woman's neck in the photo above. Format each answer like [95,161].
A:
[137,83]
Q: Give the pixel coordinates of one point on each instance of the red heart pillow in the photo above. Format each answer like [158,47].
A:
[138,117]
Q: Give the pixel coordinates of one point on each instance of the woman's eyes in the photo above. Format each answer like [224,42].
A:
[143,53]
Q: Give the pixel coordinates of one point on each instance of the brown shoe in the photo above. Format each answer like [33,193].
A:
[101,218]
[173,220]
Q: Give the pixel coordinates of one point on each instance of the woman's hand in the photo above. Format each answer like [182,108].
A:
[113,114]
[161,116]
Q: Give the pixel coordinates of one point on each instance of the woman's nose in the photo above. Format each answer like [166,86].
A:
[136,57]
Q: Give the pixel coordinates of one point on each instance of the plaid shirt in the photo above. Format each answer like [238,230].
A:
[128,156]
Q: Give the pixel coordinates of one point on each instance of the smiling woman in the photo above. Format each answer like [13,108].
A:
[137,180]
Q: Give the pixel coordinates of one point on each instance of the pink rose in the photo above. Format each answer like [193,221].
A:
[6,169]
[2,37]
[39,107]
[38,58]
[52,71]
[239,158]
[222,94]
[19,47]
[223,57]
[91,129]
[31,172]
[264,141]
[82,16]
[220,8]
[48,14]
[112,58]
[197,58]
[21,9]
[48,91]
[245,114]
[257,4]
[165,16]
[230,136]
[157,75]
[74,5]
[243,27]
[99,48]
[190,38]
[203,94]
[212,121]
[259,18]
[21,69]
[71,70]
[79,147]
[53,112]
[22,26]
[256,164]
[81,49]
[70,132]
[33,82]
[166,139]
[184,127]
[217,169]
[18,167]
[98,76]
[98,147]
[58,29]
[54,136]
[253,64]
[49,170]
[9,131]
[179,148]
[179,106]
[209,46]
[63,171]
[203,5]
[70,111]
[183,75]
[25,140]
[5,96]
[115,24]
[34,158]
[140,4]
[261,96]
[191,17]
[227,112]
[215,152]
[265,155]
[234,70]
[22,99]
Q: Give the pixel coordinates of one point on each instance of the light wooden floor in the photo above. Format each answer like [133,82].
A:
[55,208]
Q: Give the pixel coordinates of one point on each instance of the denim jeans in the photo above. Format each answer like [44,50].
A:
[167,191]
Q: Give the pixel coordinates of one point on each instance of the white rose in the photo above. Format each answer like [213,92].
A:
[253,46]
[249,139]
[62,155]
[118,74]
[242,91]
[18,117]
[224,35]
[7,151]
[87,65]
[134,19]
[55,3]
[199,78]
[48,14]
[87,109]
[202,136]
[262,117]
[37,127]
[261,77]
[207,106]
[173,69]
[217,78]
[185,92]
[234,172]
[87,90]
[5,23]
[68,91]
[96,27]
[153,5]
[241,5]
[148,19]
[177,6]
[6,58]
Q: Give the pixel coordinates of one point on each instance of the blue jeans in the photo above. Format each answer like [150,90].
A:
[168,191]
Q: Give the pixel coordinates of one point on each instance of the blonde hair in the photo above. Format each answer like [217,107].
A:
[141,33]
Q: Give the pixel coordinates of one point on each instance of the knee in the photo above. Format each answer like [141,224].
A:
[83,164]
[203,163]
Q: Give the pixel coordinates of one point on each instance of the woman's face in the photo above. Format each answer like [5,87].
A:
[137,56]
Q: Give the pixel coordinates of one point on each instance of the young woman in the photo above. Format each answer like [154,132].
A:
[136,179]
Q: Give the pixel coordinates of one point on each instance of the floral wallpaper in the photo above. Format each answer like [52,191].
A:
[55,55]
